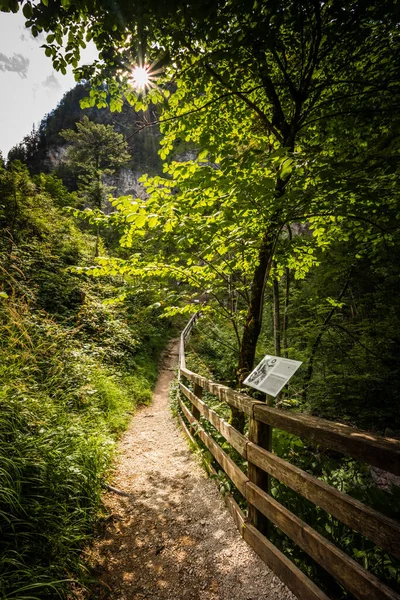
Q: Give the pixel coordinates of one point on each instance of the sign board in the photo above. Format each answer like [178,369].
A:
[272,374]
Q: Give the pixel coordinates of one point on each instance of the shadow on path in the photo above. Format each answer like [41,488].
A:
[173,539]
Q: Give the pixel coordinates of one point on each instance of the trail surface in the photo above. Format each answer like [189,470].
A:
[172,538]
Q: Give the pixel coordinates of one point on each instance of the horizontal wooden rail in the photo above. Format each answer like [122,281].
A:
[295,579]
[236,512]
[362,584]
[186,429]
[187,413]
[364,446]
[235,439]
[384,532]
[225,394]
[372,449]
[235,474]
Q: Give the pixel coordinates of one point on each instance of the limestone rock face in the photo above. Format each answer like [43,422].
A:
[54,157]
[126,182]
[143,141]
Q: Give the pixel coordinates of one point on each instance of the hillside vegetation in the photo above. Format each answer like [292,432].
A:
[73,369]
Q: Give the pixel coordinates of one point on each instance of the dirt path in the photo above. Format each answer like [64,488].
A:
[173,539]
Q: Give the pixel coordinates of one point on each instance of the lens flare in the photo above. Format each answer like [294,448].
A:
[140,77]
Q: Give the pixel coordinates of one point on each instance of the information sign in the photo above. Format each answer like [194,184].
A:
[272,374]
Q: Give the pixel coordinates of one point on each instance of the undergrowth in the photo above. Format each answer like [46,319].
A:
[73,369]
[62,406]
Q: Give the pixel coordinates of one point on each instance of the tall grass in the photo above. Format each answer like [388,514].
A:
[61,406]
[72,371]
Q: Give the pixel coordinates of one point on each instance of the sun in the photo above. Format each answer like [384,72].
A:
[140,77]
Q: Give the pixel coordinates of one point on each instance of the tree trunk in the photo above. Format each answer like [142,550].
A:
[277,330]
[285,322]
[252,326]
[96,247]
[99,202]
[277,320]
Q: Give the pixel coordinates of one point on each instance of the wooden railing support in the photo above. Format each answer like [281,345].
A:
[259,434]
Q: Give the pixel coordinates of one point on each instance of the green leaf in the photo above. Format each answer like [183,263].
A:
[140,221]
[153,221]
[27,10]
[202,156]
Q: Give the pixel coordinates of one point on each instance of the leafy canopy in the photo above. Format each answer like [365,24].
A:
[292,107]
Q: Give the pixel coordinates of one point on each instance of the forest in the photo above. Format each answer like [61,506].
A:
[251,175]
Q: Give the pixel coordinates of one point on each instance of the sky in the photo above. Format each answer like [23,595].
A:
[29,86]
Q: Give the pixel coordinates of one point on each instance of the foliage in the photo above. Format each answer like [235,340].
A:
[73,370]
[94,151]
[289,196]
[269,94]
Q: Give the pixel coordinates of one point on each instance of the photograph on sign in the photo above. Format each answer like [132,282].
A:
[272,374]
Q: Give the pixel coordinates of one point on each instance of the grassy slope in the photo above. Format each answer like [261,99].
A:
[73,371]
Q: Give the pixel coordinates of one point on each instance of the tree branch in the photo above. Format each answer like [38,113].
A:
[352,112]
[192,111]
[249,103]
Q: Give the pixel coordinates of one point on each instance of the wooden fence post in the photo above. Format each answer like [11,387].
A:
[260,434]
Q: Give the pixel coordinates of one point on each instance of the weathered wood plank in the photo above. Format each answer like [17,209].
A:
[235,512]
[236,439]
[233,507]
[362,445]
[291,576]
[259,434]
[239,401]
[362,584]
[187,412]
[227,464]
[186,429]
[382,530]
[365,446]
[231,469]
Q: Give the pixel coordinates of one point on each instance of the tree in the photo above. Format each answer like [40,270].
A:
[275,91]
[95,151]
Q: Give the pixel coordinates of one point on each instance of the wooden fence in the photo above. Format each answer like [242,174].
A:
[262,463]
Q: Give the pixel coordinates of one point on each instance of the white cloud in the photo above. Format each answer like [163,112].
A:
[15,63]
[52,82]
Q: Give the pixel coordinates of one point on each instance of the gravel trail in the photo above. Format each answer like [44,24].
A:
[172,538]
